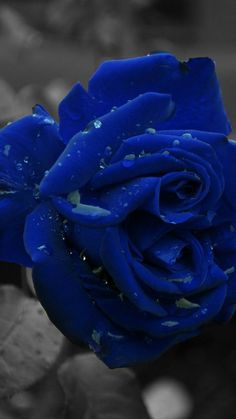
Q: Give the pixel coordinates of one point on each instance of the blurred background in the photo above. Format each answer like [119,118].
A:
[45,47]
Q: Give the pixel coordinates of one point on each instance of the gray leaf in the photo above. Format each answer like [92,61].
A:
[29,343]
[111,394]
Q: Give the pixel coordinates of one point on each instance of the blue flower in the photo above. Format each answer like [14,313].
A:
[128,211]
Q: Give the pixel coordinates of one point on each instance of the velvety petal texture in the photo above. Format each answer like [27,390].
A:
[23,163]
[127,209]
[192,84]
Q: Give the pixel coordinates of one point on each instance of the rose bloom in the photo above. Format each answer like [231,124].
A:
[126,210]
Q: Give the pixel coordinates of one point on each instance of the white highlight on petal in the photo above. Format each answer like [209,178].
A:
[184,303]
[84,209]
[170,323]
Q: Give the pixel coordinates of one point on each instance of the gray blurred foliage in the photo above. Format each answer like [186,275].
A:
[29,343]
[108,394]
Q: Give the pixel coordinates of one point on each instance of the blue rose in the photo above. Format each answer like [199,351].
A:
[130,215]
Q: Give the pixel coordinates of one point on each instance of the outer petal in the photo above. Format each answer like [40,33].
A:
[23,162]
[192,84]
[76,110]
[224,243]
[11,245]
[57,279]
[85,152]
[23,143]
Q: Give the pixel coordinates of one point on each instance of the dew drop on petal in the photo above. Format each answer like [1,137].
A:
[45,249]
[129,160]
[187,136]
[108,151]
[169,323]
[204,311]
[97,124]
[150,131]
[230,270]
[176,143]
[6,149]
[102,164]
[96,336]
[19,167]
[184,303]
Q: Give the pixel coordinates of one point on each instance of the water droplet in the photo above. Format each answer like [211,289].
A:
[6,149]
[82,255]
[176,143]
[121,296]
[46,172]
[96,336]
[170,323]
[166,153]
[108,151]
[187,136]
[144,154]
[128,160]
[97,124]
[49,120]
[102,164]
[45,249]
[26,159]
[74,197]
[19,167]
[230,270]
[184,303]
[125,205]
[150,131]
[114,108]
[59,164]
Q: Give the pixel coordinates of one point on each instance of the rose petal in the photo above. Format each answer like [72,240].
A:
[12,248]
[56,279]
[22,148]
[120,271]
[192,84]
[111,207]
[140,166]
[84,153]
[76,110]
